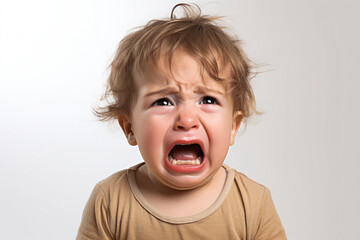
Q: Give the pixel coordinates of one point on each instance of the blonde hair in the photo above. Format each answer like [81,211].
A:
[199,36]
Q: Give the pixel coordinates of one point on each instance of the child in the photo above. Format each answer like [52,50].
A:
[180,89]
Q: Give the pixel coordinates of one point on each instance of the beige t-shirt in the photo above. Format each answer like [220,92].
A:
[117,210]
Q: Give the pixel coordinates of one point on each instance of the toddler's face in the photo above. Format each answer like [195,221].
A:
[182,123]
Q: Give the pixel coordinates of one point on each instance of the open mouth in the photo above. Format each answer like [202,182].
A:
[183,154]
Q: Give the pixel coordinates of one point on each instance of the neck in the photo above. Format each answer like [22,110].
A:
[178,202]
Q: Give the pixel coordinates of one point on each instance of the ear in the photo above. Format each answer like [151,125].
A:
[125,124]
[237,118]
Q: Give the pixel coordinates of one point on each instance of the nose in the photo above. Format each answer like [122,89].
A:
[186,120]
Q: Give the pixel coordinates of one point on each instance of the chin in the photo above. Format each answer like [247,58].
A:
[187,182]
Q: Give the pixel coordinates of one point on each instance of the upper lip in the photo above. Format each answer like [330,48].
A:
[187,141]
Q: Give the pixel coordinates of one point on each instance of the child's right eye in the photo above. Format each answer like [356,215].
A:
[162,102]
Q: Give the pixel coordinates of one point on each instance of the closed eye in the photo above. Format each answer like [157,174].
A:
[162,102]
[208,100]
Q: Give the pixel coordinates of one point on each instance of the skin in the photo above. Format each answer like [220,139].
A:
[181,106]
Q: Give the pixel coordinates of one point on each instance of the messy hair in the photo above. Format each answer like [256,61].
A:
[198,35]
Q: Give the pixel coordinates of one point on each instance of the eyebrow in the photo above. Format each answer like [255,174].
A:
[202,89]
[164,91]
[172,89]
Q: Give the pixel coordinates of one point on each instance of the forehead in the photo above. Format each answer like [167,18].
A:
[181,69]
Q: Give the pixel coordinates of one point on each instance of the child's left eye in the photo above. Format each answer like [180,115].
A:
[208,100]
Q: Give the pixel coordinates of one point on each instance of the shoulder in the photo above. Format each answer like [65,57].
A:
[253,194]
[106,189]
[116,184]
[97,217]
[249,184]
[112,180]
[113,188]
[247,187]
[259,208]
[103,205]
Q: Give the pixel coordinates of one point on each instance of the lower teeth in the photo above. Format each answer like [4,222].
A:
[173,161]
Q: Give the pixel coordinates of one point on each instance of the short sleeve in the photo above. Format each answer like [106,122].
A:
[95,218]
[269,224]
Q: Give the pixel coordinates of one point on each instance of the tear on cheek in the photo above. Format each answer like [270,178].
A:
[191,154]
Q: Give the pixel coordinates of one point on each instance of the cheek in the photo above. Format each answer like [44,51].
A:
[220,145]
[150,135]
[220,134]
[219,124]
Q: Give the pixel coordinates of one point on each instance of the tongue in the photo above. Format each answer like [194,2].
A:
[185,152]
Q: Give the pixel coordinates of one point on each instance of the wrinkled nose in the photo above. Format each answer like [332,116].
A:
[186,120]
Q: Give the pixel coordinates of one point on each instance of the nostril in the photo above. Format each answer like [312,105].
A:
[186,125]
[186,120]
[180,127]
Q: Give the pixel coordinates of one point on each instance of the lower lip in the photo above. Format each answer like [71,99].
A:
[185,168]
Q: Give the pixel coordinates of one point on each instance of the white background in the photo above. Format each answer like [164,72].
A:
[305,148]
